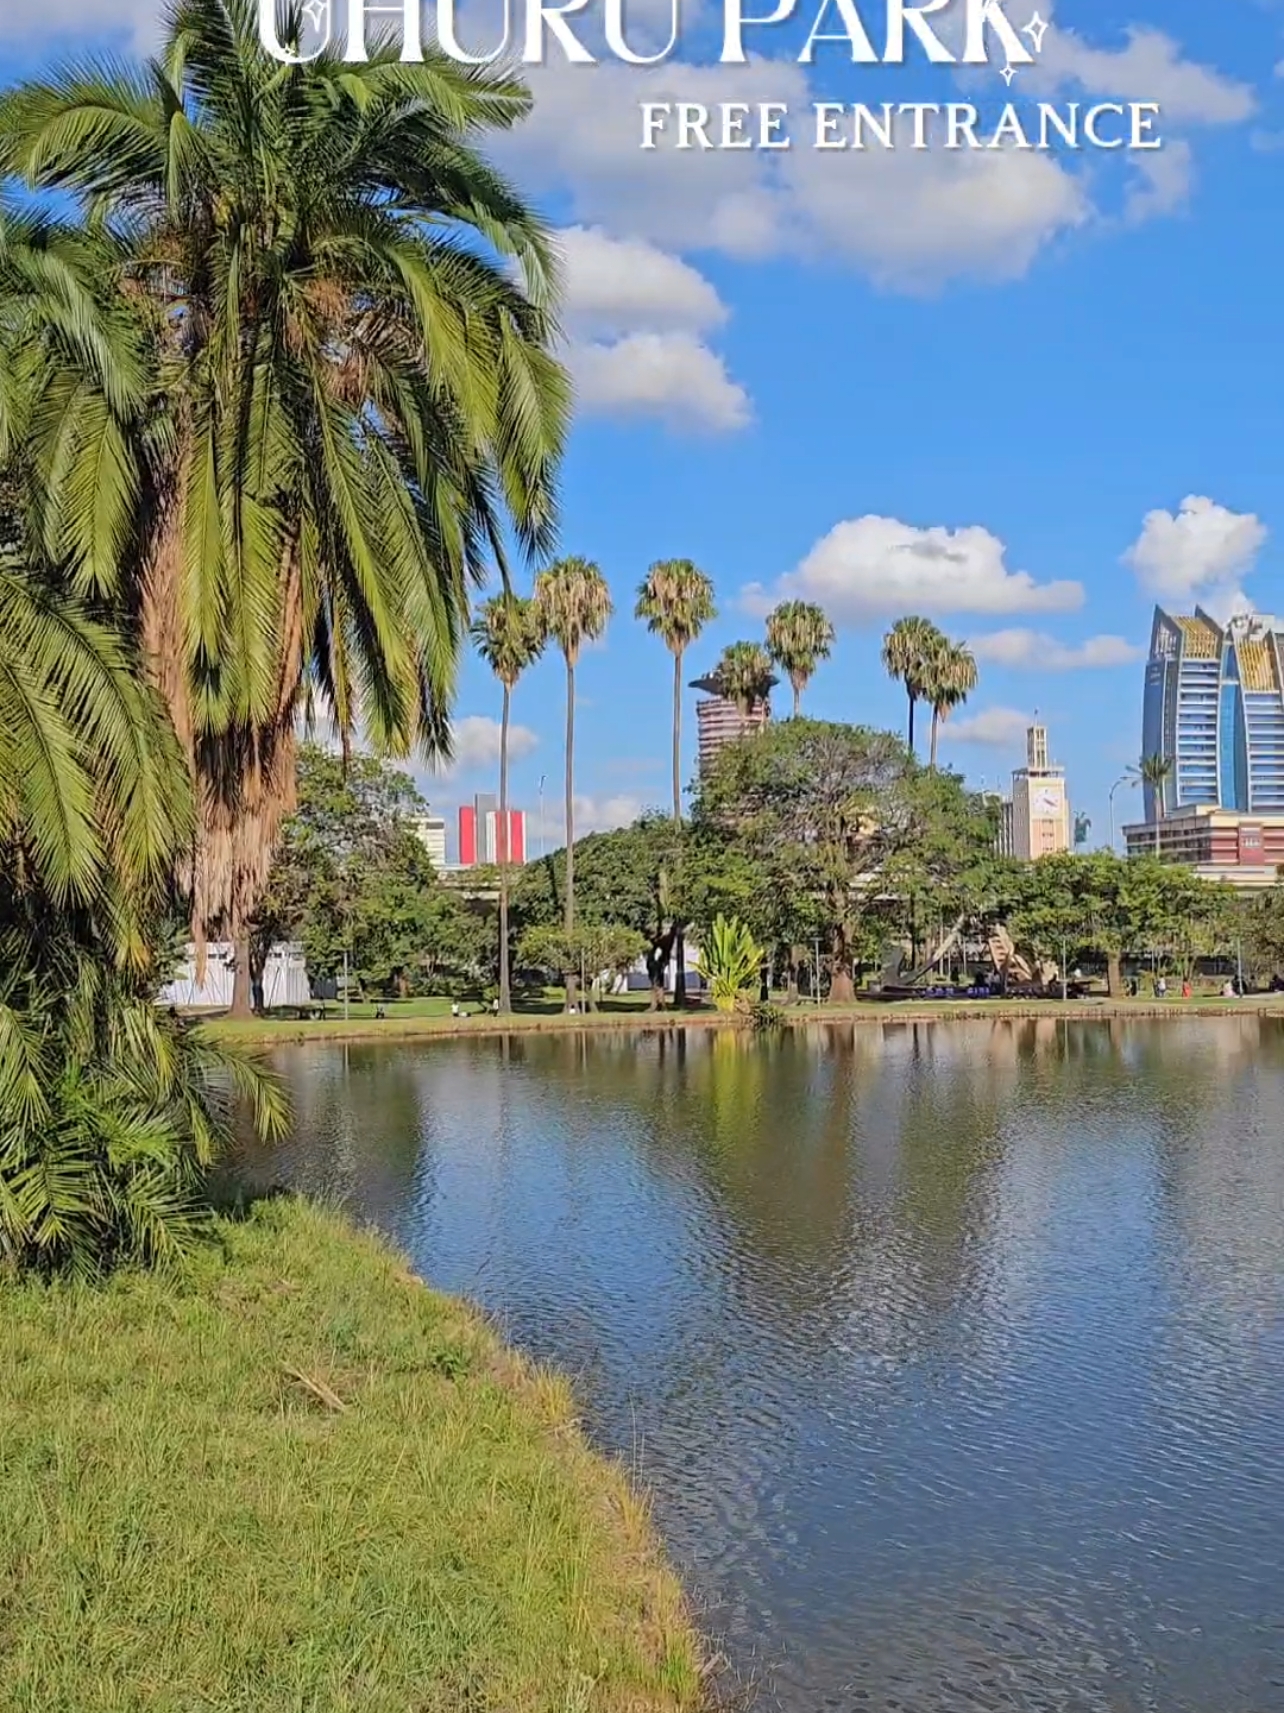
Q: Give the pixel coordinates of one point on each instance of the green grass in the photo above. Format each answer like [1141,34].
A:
[295,1480]
[418,1018]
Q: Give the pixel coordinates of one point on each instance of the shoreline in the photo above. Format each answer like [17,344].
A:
[380,1501]
[274,1031]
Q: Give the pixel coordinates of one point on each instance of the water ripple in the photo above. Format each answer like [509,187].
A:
[954,1354]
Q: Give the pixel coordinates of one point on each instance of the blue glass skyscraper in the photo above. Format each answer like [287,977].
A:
[1214,709]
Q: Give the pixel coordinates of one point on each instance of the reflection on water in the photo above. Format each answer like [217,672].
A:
[954,1353]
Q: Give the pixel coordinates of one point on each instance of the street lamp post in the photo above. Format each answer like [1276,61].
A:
[541,817]
[1123,779]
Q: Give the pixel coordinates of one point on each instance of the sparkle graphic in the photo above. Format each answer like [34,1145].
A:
[1007,74]
[1036,29]
[317,12]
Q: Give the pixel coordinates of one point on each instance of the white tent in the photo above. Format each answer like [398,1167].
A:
[285,979]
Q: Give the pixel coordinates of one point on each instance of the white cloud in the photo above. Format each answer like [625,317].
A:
[871,568]
[477,745]
[910,219]
[1161,183]
[671,376]
[616,285]
[1149,68]
[635,315]
[1033,651]
[592,815]
[1199,554]
[997,728]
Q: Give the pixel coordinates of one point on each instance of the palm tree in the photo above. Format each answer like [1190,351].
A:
[509,637]
[676,600]
[951,679]
[744,675]
[110,1114]
[799,637]
[574,605]
[343,320]
[1154,772]
[907,651]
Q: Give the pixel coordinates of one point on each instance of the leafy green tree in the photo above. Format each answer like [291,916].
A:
[589,950]
[1117,908]
[509,636]
[908,651]
[799,637]
[817,807]
[333,399]
[1258,923]
[575,606]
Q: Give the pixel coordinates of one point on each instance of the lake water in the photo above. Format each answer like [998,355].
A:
[953,1354]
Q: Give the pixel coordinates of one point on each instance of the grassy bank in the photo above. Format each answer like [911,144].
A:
[413,1024]
[298,1481]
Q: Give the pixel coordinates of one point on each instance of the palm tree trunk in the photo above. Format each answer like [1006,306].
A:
[242,978]
[936,729]
[572,987]
[797,701]
[505,985]
[911,721]
[679,941]
[677,734]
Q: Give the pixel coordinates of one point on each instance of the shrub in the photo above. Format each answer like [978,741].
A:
[731,963]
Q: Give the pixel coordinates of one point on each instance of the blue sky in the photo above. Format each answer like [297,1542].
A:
[1077,362]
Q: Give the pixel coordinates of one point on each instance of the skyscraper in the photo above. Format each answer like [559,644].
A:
[720,721]
[1040,816]
[1214,710]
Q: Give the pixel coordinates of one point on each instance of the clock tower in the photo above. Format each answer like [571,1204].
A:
[1040,802]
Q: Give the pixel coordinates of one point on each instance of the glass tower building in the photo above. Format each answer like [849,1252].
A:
[1214,709]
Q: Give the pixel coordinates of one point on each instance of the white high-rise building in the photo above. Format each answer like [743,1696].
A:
[431,830]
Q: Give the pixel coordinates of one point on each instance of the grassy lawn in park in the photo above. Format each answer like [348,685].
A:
[295,1480]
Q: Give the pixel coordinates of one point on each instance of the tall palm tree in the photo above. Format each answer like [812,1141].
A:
[344,318]
[951,679]
[744,675]
[574,605]
[1154,772]
[799,637]
[510,637]
[907,651]
[676,600]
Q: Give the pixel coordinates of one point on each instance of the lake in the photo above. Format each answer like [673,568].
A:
[952,1353]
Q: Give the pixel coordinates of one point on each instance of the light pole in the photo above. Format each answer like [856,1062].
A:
[1123,779]
[541,817]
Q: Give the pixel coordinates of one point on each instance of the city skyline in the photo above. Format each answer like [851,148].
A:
[771,361]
